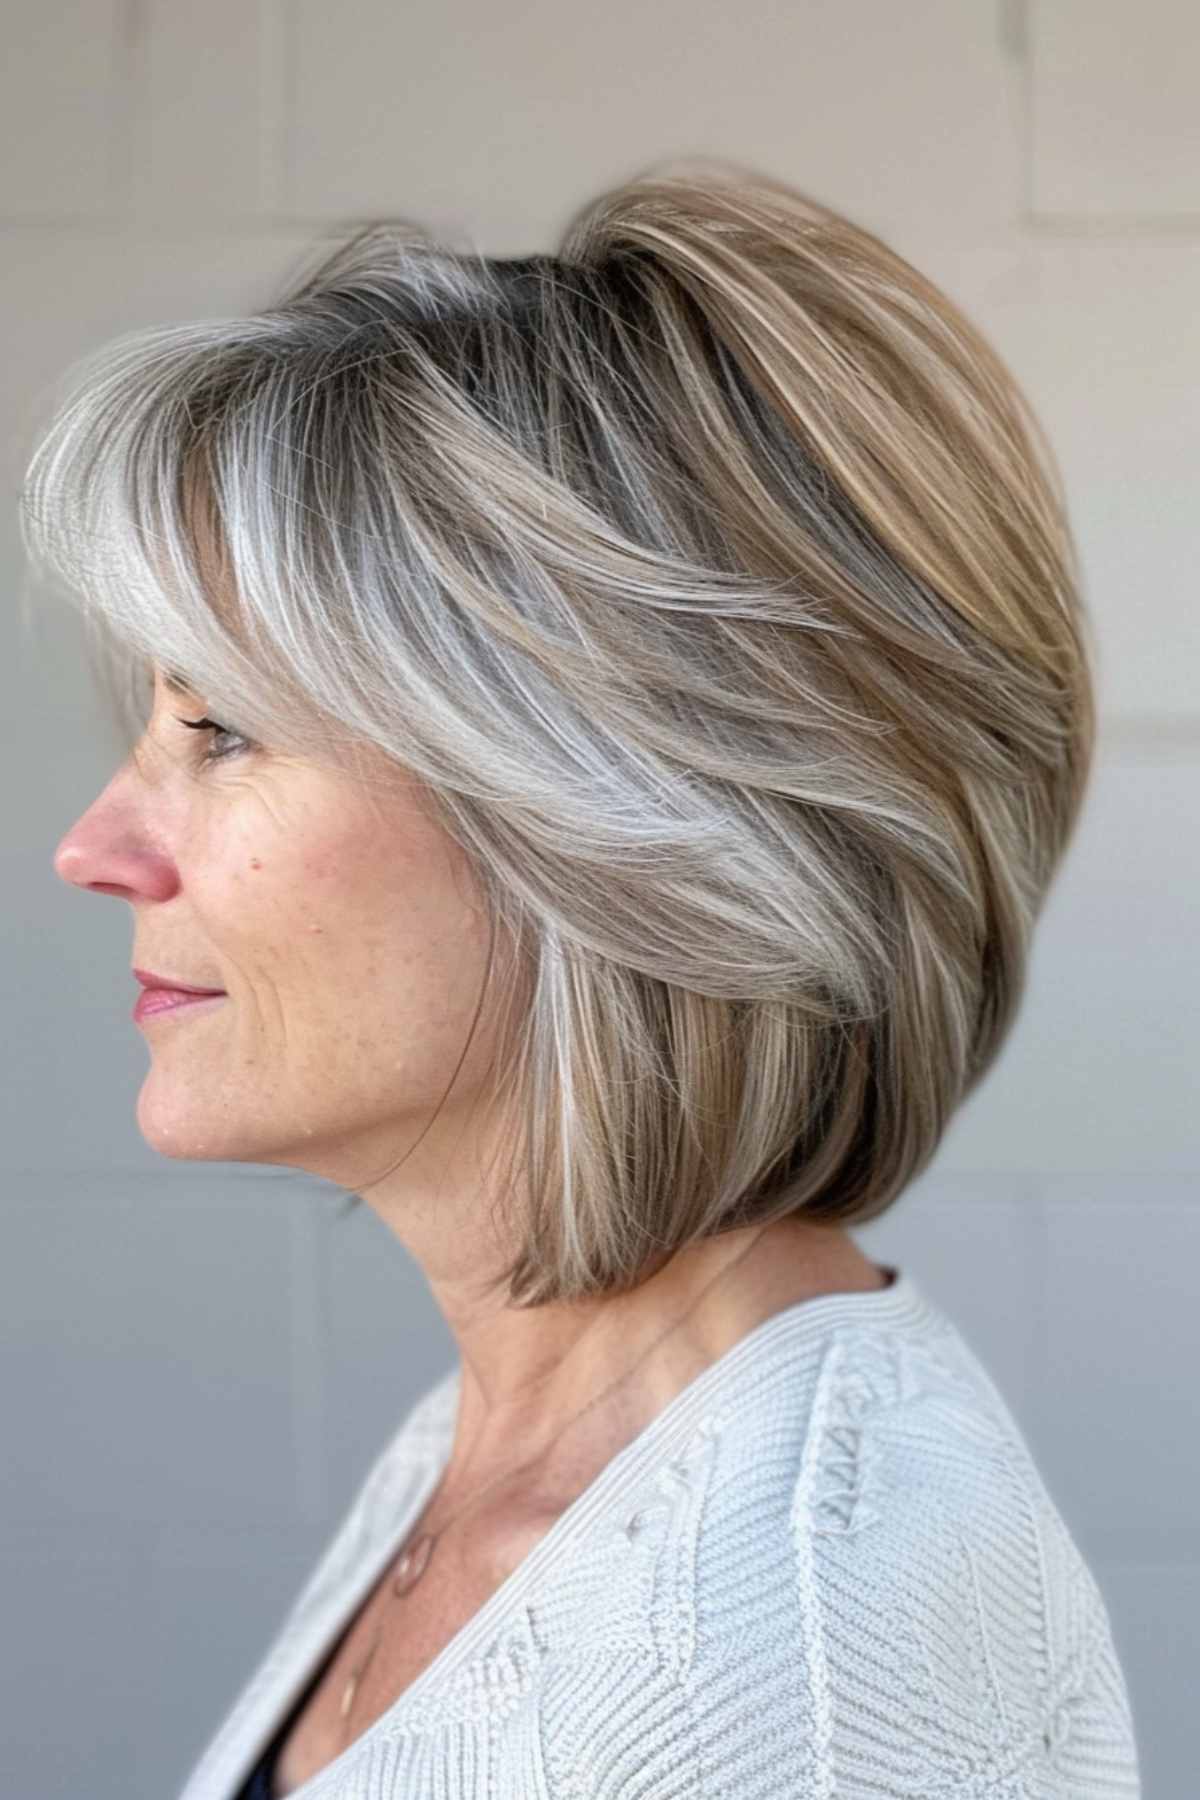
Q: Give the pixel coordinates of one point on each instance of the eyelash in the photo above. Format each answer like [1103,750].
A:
[241,744]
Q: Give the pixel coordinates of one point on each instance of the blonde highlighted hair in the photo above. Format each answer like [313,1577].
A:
[715,579]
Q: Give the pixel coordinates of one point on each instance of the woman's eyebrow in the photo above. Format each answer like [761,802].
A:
[176,683]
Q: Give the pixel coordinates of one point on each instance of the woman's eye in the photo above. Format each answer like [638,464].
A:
[213,753]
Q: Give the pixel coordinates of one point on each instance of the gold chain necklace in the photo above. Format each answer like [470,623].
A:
[415,1558]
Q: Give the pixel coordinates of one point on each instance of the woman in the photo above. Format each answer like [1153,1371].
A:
[615,718]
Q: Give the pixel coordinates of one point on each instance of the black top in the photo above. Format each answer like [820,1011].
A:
[257,1785]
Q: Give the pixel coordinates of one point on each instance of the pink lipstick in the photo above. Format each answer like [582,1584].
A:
[162,999]
[163,993]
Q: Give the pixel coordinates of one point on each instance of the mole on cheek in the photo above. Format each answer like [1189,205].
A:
[254,863]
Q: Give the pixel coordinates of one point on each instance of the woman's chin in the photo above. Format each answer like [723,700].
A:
[181,1132]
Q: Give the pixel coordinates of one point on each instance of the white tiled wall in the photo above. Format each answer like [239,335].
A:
[199,1361]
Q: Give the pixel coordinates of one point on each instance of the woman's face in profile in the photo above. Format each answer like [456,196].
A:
[341,923]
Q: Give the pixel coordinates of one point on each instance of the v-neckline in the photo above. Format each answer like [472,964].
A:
[901,1303]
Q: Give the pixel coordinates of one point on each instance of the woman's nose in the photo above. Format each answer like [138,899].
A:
[108,850]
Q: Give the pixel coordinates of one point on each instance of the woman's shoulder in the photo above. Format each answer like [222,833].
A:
[888,1445]
[852,1573]
[909,1564]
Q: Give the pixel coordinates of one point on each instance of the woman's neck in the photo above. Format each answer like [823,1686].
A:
[532,1379]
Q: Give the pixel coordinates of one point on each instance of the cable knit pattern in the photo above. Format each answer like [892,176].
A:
[828,1570]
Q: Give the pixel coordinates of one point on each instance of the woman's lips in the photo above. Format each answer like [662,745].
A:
[159,999]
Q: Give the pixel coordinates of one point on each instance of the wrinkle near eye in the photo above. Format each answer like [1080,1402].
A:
[149,757]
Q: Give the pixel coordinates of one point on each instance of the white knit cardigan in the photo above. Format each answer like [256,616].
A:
[828,1569]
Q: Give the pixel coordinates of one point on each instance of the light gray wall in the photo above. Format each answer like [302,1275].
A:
[199,1361]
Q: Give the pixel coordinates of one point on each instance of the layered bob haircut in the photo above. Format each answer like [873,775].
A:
[714,579]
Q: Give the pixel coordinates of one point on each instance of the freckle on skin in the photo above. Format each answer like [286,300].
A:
[255,863]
